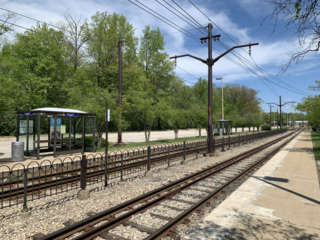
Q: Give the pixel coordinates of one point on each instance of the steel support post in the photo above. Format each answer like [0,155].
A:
[121,179]
[120,91]
[84,172]
[25,186]
[211,150]
[222,145]
[149,150]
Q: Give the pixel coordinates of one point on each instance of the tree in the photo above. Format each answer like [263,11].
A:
[243,98]
[303,15]
[77,34]
[153,102]
[236,119]
[181,96]
[8,20]
[35,65]
[105,30]
[311,106]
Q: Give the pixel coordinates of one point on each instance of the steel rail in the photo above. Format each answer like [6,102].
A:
[58,181]
[110,213]
[168,229]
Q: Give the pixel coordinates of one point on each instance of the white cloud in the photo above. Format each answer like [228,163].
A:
[268,55]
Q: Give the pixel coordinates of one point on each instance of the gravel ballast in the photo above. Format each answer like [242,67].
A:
[48,214]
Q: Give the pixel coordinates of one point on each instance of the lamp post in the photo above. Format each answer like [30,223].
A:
[210,62]
[221,95]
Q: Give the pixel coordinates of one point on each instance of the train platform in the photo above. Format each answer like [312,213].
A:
[280,201]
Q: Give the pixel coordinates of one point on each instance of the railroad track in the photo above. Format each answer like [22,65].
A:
[12,191]
[204,185]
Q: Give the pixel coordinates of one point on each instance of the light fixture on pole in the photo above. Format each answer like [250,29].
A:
[210,62]
[221,95]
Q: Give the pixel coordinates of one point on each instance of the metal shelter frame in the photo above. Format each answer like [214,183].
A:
[226,127]
[65,146]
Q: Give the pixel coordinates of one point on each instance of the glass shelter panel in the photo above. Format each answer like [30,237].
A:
[23,131]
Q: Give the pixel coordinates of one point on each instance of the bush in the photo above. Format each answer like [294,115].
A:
[314,128]
[265,127]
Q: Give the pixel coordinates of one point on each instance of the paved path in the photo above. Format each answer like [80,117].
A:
[287,207]
[127,137]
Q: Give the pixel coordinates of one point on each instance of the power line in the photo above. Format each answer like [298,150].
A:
[246,52]
[65,30]
[32,30]
[189,74]
[197,23]
[230,59]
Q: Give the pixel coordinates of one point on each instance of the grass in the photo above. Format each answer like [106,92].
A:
[316,144]
[158,142]
[143,144]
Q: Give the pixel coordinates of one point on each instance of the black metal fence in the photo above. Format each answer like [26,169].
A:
[22,183]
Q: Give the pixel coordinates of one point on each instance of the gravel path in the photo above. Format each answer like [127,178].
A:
[48,214]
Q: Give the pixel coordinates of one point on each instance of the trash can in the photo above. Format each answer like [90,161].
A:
[17,151]
[220,132]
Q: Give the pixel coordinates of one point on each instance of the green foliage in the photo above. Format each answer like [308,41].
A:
[47,68]
[265,127]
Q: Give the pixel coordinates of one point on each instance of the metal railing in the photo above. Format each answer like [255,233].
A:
[22,183]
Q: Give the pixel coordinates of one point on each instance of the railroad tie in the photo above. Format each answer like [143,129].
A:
[174,208]
[37,236]
[161,217]
[200,190]
[110,236]
[140,227]
[183,201]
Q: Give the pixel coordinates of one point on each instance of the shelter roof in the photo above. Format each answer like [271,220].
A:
[57,110]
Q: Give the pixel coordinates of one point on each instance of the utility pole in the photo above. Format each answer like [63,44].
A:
[270,116]
[120,143]
[280,105]
[221,95]
[277,118]
[210,62]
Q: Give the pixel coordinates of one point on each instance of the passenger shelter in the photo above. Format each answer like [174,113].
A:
[56,131]
[225,126]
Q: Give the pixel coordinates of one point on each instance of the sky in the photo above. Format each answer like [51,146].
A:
[238,21]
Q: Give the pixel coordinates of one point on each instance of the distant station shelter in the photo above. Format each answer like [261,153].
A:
[225,126]
[56,131]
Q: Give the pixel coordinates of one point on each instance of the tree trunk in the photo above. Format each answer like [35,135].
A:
[249,128]
[236,129]
[149,131]
[99,137]
[146,134]
[176,133]
[200,132]
[242,128]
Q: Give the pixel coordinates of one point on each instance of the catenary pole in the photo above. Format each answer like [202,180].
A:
[210,62]
[120,94]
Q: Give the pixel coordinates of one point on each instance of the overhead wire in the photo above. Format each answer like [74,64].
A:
[197,23]
[260,69]
[35,20]
[230,59]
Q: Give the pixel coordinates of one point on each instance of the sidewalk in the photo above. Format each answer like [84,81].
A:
[280,201]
